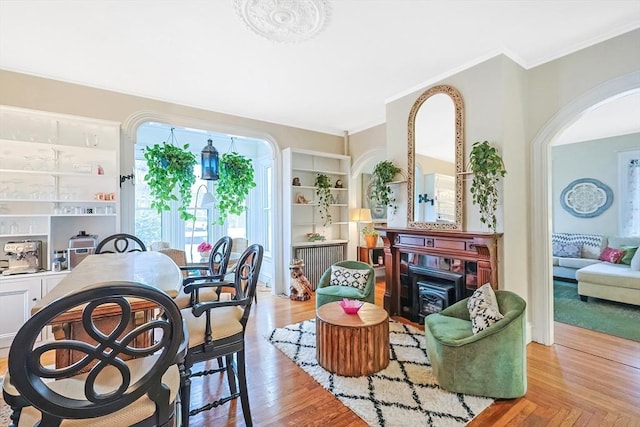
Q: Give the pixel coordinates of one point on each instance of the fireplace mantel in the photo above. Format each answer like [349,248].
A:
[478,248]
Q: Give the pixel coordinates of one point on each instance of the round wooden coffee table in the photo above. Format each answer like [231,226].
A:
[352,345]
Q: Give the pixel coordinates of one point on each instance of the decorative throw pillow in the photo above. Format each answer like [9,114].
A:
[630,251]
[611,255]
[483,308]
[341,276]
[570,250]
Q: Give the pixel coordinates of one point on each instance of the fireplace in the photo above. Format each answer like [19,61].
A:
[433,290]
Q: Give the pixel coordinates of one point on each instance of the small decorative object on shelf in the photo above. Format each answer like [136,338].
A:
[351,306]
[301,200]
[296,181]
[300,289]
[339,183]
[314,237]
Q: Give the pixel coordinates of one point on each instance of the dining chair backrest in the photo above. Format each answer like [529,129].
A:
[120,243]
[102,381]
[246,277]
[219,257]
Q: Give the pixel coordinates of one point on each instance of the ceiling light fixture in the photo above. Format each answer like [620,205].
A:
[286,21]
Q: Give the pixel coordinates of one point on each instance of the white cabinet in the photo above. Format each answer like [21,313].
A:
[17,296]
[59,174]
[301,210]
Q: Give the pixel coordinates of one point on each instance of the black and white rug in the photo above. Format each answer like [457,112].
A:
[403,394]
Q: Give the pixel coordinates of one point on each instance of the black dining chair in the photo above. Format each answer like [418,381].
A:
[120,243]
[126,373]
[217,329]
[198,287]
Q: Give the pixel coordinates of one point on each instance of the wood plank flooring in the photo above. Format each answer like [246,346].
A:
[585,379]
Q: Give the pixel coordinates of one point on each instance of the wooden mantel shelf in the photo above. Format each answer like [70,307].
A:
[481,248]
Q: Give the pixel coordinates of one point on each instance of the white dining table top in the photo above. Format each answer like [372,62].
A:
[151,268]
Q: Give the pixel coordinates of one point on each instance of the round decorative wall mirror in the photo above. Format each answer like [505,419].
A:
[435,148]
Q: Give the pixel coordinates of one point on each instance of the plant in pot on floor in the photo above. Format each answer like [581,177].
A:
[383,174]
[170,168]
[236,179]
[487,167]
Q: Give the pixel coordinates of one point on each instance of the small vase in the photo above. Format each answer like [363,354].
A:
[204,256]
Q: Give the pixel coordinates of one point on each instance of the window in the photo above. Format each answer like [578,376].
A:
[629,194]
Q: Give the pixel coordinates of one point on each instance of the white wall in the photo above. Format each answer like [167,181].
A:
[591,159]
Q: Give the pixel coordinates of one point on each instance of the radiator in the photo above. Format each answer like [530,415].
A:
[319,258]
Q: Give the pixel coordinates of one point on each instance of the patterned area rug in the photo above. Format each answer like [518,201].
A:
[403,394]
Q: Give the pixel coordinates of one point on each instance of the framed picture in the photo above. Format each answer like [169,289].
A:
[378,211]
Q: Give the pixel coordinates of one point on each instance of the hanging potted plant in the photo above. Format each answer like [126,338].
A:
[233,185]
[383,174]
[170,168]
[323,191]
[487,167]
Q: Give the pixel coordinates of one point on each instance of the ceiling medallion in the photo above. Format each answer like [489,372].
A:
[284,20]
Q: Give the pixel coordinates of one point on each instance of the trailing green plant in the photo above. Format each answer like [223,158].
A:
[170,167]
[369,231]
[383,174]
[487,167]
[232,188]
[323,191]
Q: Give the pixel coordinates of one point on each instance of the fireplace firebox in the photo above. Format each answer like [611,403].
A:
[433,290]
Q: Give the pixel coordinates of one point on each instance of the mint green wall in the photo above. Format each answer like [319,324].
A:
[591,159]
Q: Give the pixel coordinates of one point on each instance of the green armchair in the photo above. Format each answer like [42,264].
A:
[491,363]
[326,293]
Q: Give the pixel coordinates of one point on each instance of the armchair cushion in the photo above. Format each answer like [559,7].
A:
[483,308]
[341,276]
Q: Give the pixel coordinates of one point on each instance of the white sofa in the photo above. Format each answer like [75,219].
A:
[599,279]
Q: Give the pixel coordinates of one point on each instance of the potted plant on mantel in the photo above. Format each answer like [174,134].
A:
[487,168]
[170,167]
[383,174]
[235,180]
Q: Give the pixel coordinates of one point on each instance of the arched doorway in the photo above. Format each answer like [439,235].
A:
[541,293]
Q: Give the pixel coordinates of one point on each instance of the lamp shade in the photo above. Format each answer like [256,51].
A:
[207,200]
[361,215]
[209,162]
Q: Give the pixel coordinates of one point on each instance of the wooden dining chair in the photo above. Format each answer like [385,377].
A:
[217,329]
[120,243]
[127,375]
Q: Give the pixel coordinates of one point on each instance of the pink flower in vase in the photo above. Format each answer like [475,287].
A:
[204,247]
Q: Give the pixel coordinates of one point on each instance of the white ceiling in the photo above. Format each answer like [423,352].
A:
[200,53]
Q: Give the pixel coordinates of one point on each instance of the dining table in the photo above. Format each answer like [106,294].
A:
[149,267]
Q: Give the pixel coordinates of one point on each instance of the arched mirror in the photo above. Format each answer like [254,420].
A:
[436,160]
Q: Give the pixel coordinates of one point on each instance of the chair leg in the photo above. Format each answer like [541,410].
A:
[244,395]
[231,375]
[185,394]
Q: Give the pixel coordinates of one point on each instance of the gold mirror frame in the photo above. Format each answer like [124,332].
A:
[459,159]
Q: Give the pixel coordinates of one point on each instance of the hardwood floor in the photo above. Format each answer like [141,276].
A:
[585,379]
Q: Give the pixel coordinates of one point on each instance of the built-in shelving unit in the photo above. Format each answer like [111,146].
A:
[58,174]
[301,214]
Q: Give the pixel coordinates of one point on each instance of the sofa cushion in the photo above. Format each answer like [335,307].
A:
[592,244]
[618,242]
[629,252]
[635,261]
[483,308]
[576,262]
[572,250]
[611,255]
[608,274]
